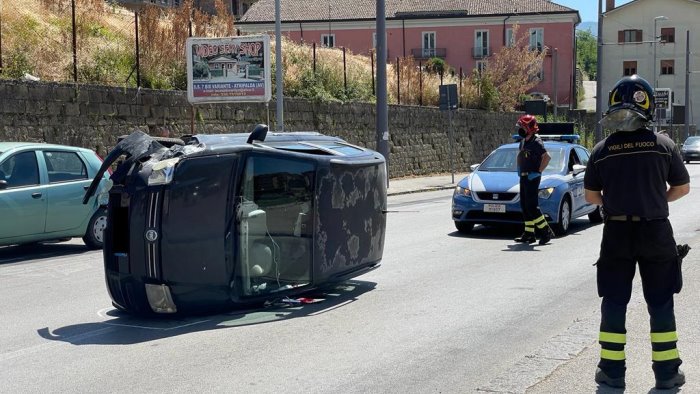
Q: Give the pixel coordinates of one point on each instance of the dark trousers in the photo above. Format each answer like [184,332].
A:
[651,245]
[529,202]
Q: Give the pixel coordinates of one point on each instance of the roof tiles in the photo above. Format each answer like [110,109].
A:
[315,10]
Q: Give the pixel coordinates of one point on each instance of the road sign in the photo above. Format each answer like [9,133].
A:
[662,97]
[448,97]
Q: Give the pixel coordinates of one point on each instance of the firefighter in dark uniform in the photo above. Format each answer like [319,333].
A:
[628,173]
[532,160]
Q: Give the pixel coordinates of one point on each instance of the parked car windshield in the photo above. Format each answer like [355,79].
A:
[505,160]
[692,141]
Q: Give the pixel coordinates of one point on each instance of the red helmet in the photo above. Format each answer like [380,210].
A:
[528,123]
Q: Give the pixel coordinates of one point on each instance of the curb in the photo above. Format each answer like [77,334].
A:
[424,189]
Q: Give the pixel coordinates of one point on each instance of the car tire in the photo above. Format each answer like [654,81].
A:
[562,226]
[94,236]
[596,216]
[464,227]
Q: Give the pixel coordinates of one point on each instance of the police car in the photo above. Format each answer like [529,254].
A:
[490,194]
[217,221]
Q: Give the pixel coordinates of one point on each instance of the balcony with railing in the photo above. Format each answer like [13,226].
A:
[481,52]
[427,53]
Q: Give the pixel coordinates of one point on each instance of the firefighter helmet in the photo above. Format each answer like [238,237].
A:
[634,93]
[528,124]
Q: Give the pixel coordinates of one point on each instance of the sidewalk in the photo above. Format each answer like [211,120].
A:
[423,184]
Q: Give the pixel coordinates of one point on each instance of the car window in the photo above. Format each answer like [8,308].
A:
[557,162]
[505,160]
[692,141]
[501,160]
[64,166]
[573,160]
[20,170]
[582,155]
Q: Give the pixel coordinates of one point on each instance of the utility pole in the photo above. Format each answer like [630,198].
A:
[278,66]
[382,103]
[687,86]
[75,44]
[555,55]
[598,77]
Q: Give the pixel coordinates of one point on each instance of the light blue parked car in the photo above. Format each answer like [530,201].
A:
[41,193]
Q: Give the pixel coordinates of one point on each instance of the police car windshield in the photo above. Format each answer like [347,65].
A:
[692,141]
[505,160]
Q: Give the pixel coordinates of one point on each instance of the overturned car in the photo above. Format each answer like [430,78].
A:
[216,221]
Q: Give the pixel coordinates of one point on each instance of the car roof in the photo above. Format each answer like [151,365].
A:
[5,146]
[548,144]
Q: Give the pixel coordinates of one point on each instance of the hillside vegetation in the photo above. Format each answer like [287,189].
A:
[37,39]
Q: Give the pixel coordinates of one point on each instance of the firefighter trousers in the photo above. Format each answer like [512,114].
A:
[535,222]
[650,244]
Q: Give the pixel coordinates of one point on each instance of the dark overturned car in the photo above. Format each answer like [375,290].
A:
[217,221]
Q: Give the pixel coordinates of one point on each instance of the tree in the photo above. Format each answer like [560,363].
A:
[510,73]
[587,52]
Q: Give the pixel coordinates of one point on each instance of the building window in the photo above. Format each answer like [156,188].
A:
[628,36]
[667,67]
[480,66]
[537,39]
[510,39]
[328,40]
[668,34]
[429,42]
[629,68]
[481,44]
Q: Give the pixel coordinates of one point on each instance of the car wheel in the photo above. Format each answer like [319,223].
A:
[464,227]
[562,226]
[94,236]
[596,216]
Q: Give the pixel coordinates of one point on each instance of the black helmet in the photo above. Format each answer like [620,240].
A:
[633,93]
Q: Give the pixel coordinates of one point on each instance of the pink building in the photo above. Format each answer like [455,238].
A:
[463,32]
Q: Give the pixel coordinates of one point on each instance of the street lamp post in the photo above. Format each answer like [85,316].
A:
[656,79]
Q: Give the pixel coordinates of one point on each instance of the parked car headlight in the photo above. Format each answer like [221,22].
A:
[462,191]
[545,193]
[163,172]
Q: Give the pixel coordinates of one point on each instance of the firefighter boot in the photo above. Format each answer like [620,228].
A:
[526,238]
[602,378]
[676,380]
[547,235]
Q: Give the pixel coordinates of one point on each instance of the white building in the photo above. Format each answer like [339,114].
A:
[632,46]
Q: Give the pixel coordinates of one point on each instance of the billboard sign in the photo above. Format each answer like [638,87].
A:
[233,69]
[662,98]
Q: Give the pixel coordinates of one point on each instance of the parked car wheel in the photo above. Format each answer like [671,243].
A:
[596,216]
[94,236]
[464,227]
[564,217]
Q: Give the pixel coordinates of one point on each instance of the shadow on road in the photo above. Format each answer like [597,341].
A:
[120,328]
[509,232]
[19,253]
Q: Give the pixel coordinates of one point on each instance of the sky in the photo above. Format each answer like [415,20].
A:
[587,8]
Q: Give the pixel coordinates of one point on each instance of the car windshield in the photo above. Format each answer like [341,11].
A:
[692,141]
[505,160]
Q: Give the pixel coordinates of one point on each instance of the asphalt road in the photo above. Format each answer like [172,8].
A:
[444,313]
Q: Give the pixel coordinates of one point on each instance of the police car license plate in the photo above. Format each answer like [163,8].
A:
[497,208]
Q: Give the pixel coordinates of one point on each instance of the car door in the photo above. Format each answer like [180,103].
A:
[575,184]
[23,199]
[67,180]
[583,156]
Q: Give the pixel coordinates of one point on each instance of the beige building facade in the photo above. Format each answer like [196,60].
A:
[648,38]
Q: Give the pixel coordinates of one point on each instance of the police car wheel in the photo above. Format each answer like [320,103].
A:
[464,227]
[562,226]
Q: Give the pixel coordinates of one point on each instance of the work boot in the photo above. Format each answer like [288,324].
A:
[603,378]
[676,380]
[546,236]
[526,238]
